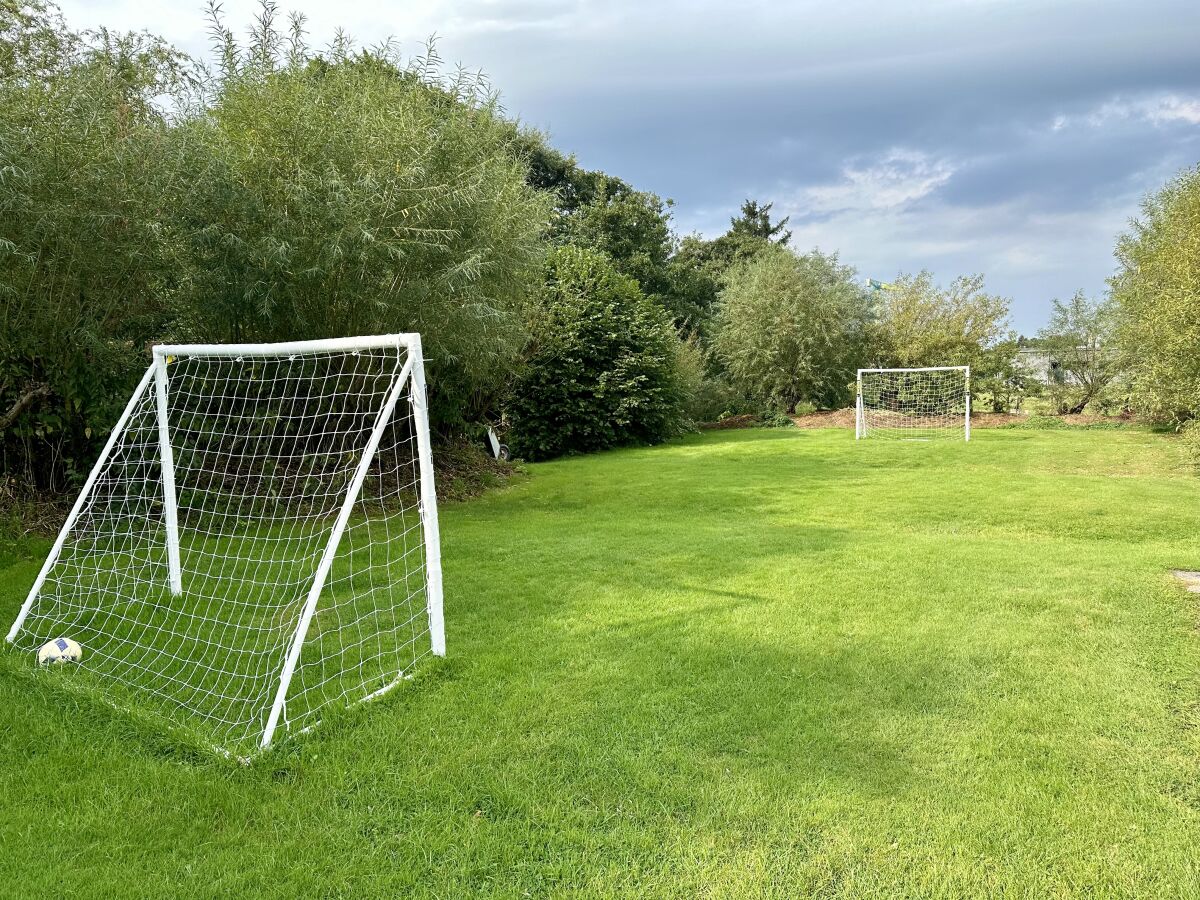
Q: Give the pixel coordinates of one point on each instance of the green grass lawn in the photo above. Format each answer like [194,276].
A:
[759,663]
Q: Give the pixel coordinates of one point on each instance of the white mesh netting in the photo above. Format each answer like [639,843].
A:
[266,450]
[913,404]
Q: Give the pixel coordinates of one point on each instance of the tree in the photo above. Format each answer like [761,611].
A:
[998,381]
[603,368]
[358,193]
[792,327]
[1157,294]
[922,324]
[293,195]
[698,266]
[755,223]
[554,172]
[602,212]
[87,166]
[749,233]
[1079,338]
[35,42]
[633,228]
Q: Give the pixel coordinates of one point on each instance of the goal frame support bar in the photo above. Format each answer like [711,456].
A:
[858,410]
[166,459]
[428,505]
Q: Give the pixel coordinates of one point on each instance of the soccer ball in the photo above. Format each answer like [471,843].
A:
[59,650]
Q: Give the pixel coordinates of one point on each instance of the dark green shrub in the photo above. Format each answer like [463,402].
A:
[603,368]
[776,419]
[717,399]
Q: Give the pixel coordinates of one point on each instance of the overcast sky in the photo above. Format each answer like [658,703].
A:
[1009,138]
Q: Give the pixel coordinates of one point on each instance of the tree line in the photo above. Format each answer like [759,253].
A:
[278,192]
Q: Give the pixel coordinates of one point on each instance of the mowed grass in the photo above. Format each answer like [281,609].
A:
[747,664]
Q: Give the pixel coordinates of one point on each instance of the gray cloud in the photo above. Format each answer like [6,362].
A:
[1013,138]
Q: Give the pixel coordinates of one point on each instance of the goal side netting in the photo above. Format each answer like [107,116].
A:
[914,404]
[257,542]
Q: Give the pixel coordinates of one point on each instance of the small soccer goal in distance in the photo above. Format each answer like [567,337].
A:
[257,542]
[914,404]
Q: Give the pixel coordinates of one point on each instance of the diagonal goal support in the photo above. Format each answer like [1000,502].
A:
[258,540]
[56,550]
[335,538]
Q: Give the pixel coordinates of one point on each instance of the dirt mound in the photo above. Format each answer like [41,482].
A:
[826,418]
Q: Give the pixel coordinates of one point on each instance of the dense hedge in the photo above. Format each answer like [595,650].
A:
[605,367]
[293,196]
[87,167]
[350,196]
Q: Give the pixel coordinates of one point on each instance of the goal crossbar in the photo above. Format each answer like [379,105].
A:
[965,369]
[410,341]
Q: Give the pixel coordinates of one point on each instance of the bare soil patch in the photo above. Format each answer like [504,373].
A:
[1190,580]
[826,418]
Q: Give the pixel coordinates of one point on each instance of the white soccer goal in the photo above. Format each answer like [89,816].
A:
[914,404]
[258,540]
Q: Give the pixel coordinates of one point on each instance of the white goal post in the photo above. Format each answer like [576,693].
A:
[914,404]
[257,541]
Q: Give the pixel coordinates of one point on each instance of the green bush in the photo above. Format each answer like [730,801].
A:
[791,328]
[357,193]
[87,167]
[1189,439]
[689,369]
[294,196]
[773,419]
[715,399]
[604,367]
[1157,294]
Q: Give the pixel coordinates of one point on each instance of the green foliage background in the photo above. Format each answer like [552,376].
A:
[792,328]
[358,194]
[605,367]
[88,177]
[287,194]
[1157,292]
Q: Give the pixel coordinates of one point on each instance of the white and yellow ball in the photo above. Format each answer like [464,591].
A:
[59,650]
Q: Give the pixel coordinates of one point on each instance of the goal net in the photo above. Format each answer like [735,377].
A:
[258,540]
[914,404]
